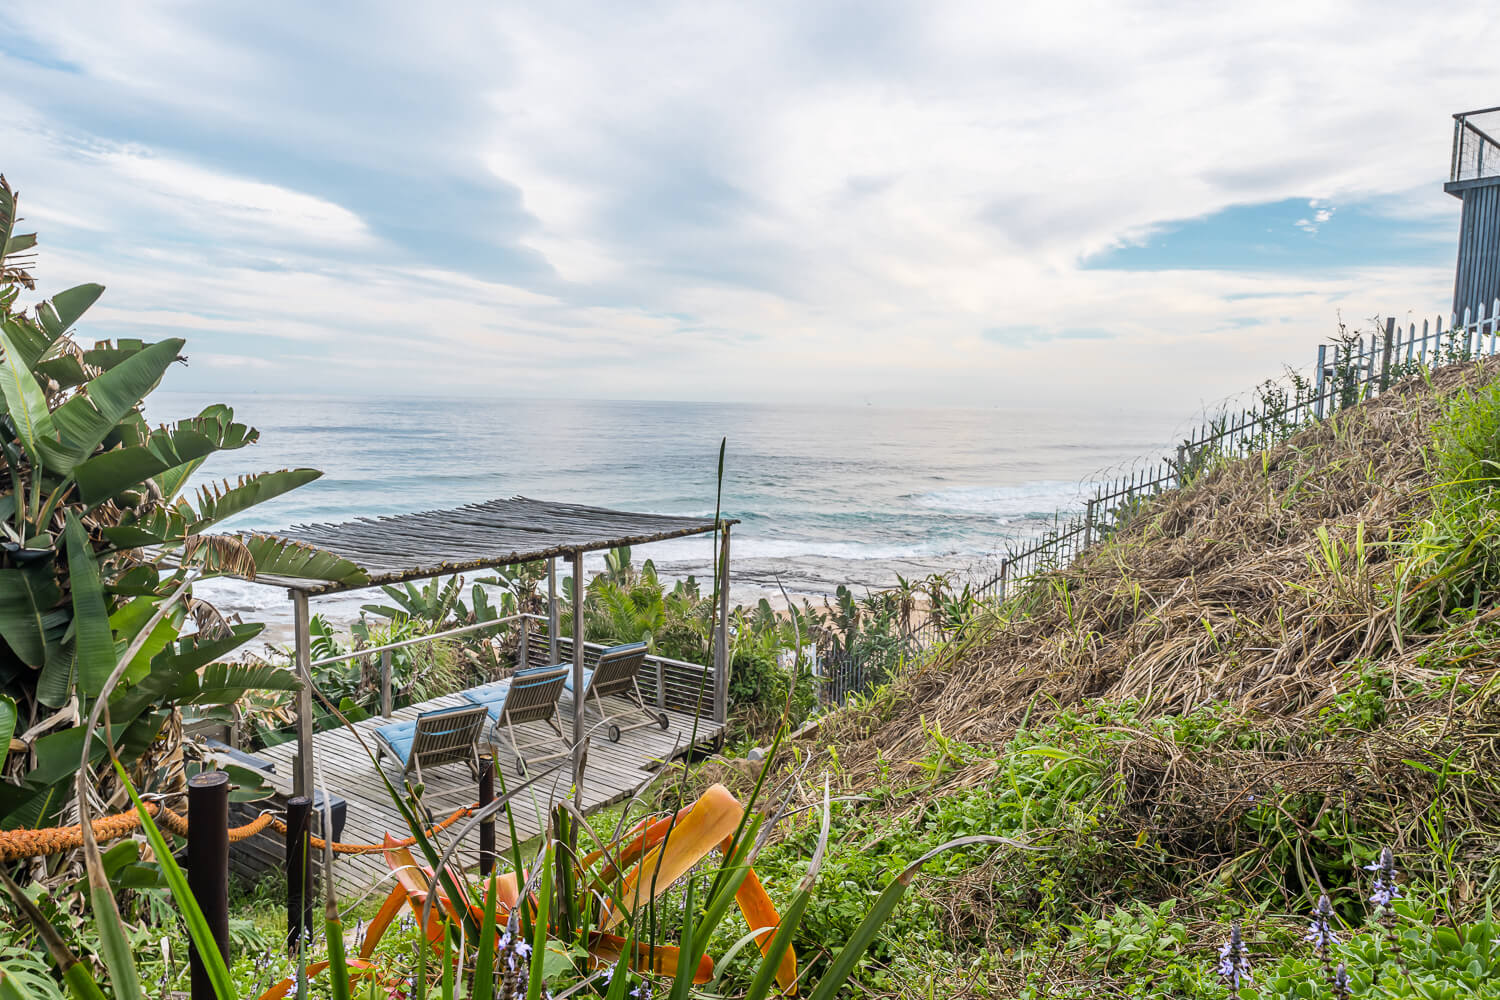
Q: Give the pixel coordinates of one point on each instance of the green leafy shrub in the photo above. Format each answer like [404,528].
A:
[1453,555]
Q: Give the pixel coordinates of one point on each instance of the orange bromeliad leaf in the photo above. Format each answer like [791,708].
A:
[708,822]
[662,960]
[661,851]
[759,911]
[358,969]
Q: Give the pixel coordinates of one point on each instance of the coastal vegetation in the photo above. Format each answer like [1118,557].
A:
[773,652]
[1244,745]
[101,542]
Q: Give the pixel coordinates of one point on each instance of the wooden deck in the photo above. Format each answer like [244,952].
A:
[613,772]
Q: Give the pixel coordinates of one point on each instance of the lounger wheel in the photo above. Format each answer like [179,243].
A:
[520,767]
[662,720]
[614,733]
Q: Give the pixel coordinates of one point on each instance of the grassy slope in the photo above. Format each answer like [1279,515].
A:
[1222,711]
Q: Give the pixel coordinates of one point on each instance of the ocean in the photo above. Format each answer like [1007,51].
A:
[825,495]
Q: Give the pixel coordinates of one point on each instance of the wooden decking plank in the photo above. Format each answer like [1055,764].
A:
[614,772]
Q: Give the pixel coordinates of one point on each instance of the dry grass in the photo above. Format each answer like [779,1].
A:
[1258,585]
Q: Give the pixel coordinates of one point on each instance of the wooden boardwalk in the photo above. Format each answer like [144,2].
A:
[613,772]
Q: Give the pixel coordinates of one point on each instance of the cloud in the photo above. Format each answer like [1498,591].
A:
[780,201]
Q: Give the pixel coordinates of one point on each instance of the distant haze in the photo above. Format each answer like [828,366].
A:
[912,204]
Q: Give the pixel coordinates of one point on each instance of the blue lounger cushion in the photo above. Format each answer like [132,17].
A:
[494,694]
[588,675]
[399,735]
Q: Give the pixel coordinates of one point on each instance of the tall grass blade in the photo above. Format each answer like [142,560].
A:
[539,932]
[192,914]
[774,954]
[484,965]
[114,949]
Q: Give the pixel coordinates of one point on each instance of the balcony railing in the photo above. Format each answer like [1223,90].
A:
[1476,153]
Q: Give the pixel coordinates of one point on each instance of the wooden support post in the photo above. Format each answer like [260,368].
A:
[578,653]
[721,649]
[1004,576]
[487,827]
[385,683]
[523,658]
[302,780]
[1385,353]
[208,869]
[299,904]
[1088,525]
[553,617]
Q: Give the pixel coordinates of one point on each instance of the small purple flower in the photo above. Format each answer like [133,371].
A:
[1320,931]
[643,991]
[1234,959]
[607,974]
[1340,985]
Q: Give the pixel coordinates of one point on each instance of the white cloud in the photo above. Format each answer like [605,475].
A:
[771,201]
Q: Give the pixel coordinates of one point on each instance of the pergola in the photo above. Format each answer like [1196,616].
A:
[487,535]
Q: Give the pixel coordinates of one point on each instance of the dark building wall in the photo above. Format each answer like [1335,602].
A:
[1478,279]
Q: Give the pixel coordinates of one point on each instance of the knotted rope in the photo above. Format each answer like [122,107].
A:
[18,845]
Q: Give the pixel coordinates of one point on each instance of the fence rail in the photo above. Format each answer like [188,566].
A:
[664,682]
[1346,372]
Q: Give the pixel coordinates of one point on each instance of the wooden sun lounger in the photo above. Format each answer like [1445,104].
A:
[527,696]
[615,674]
[444,736]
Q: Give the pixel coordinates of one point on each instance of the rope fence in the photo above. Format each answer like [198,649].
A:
[21,845]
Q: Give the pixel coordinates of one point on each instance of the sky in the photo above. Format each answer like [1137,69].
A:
[913,204]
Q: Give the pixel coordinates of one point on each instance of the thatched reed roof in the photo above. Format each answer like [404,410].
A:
[477,536]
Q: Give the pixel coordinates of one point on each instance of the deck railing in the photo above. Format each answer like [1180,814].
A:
[1476,154]
[666,683]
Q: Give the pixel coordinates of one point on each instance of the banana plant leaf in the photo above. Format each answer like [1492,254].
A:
[24,398]
[64,309]
[157,451]
[7,724]
[93,642]
[85,420]
[283,557]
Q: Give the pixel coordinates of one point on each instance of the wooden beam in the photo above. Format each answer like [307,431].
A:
[552,616]
[303,639]
[580,704]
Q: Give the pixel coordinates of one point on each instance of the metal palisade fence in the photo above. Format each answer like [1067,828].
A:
[1347,371]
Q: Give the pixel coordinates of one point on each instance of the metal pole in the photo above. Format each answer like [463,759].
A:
[553,618]
[578,653]
[1385,354]
[385,683]
[1318,382]
[299,914]
[721,652]
[302,781]
[486,828]
[208,869]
